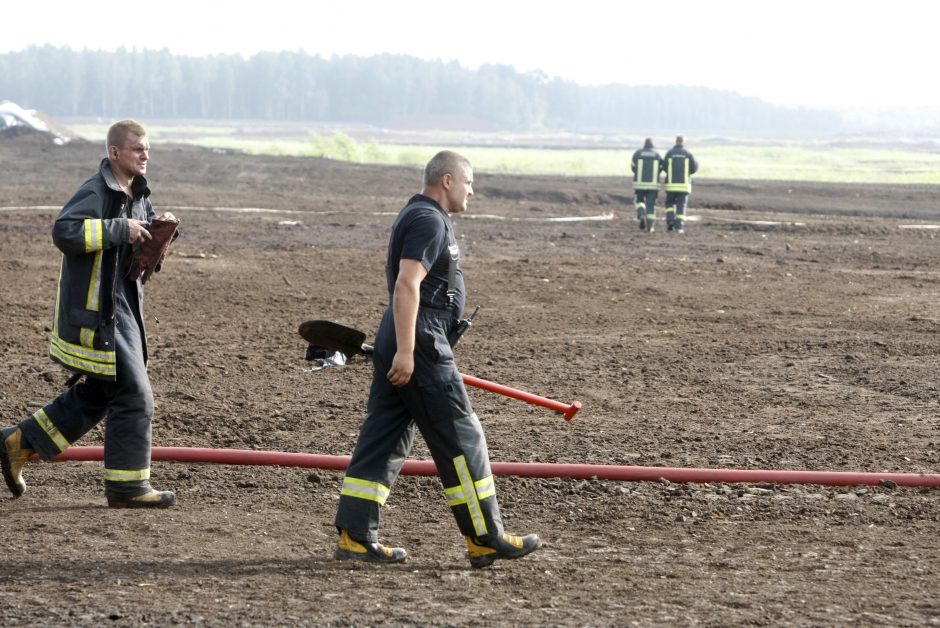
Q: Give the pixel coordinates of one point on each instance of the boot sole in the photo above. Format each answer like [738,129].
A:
[366,557]
[130,504]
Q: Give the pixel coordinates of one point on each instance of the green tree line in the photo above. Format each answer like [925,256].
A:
[382,90]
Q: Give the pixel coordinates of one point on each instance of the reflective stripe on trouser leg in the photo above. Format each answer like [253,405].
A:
[650,203]
[450,427]
[51,430]
[682,201]
[385,439]
[127,435]
[469,493]
[365,489]
[126,475]
[66,419]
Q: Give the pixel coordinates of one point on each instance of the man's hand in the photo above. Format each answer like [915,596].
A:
[403,366]
[137,230]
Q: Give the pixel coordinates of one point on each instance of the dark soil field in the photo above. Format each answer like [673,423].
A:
[793,326]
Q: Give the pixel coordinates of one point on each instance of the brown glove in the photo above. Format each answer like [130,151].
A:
[148,255]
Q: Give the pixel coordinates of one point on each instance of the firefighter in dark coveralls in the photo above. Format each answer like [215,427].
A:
[98,331]
[416,384]
[646,165]
[679,166]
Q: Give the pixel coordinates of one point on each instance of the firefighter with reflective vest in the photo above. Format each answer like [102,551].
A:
[679,166]
[98,331]
[646,166]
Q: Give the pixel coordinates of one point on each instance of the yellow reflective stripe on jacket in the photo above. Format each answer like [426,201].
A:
[94,234]
[643,180]
[94,286]
[87,337]
[364,489]
[678,186]
[467,495]
[51,430]
[84,358]
[124,475]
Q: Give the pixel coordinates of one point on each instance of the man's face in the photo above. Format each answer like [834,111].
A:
[460,190]
[131,159]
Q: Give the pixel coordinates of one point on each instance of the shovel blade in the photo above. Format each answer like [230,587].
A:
[333,336]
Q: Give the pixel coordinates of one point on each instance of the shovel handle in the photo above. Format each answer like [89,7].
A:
[568,410]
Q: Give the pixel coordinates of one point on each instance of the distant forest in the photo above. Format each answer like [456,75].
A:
[384,90]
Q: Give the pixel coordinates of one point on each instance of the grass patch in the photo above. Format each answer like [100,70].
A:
[793,161]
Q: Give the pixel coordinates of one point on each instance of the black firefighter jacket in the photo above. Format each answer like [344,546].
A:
[90,231]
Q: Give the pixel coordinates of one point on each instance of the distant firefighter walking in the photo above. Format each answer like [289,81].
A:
[646,166]
[679,166]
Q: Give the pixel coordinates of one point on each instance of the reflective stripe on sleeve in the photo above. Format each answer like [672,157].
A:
[94,234]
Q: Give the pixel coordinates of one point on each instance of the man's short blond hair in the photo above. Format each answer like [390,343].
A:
[119,132]
[445,162]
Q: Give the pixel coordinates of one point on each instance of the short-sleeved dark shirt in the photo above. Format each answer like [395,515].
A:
[423,231]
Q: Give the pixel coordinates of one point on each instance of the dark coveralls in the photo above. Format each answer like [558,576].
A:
[98,331]
[646,164]
[434,401]
[679,166]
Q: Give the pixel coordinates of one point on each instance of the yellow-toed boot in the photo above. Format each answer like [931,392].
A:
[349,548]
[151,499]
[483,553]
[13,457]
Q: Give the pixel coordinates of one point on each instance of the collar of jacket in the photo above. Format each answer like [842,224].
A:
[139,187]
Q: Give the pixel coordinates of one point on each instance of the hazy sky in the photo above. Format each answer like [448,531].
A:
[798,52]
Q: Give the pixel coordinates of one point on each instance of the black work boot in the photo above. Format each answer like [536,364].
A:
[349,548]
[13,457]
[150,499]
[483,553]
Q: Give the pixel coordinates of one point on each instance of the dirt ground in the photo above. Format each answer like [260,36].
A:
[794,326]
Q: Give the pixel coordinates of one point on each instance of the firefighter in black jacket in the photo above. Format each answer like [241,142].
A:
[98,331]
[646,166]
[679,166]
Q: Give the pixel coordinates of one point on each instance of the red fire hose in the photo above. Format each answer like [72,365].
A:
[529,469]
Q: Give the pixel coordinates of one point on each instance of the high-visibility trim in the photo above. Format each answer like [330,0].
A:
[51,430]
[683,185]
[670,210]
[58,295]
[646,176]
[472,500]
[127,475]
[87,337]
[457,495]
[94,286]
[84,358]
[640,205]
[651,215]
[680,216]
[94,234]
[485,487]
[365,489]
